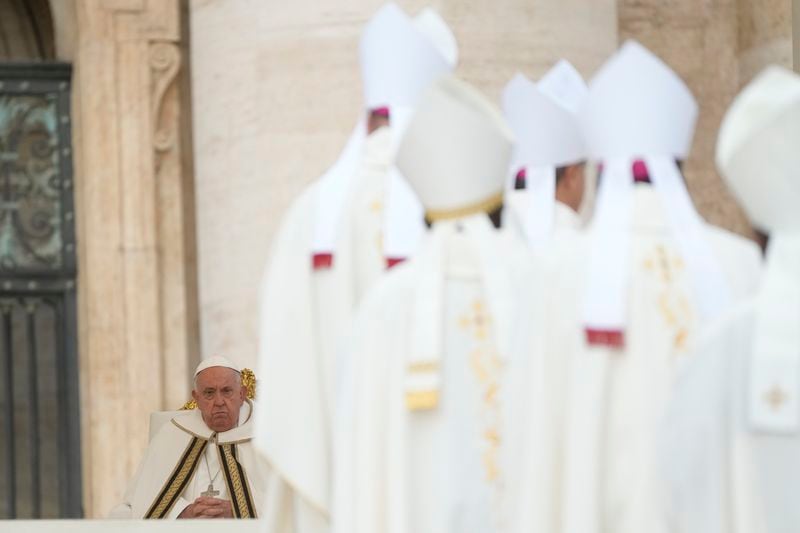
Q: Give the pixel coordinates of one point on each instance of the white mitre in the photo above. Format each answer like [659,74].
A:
[758,154]
[452,149]
[544,117]
[455,154]
[400,56]
[216,360]
[639,109]
[544,120]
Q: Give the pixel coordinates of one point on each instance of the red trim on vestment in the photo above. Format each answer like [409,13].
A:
[322,261]
[520,179]
[605,337]
[381,111]
[640,172]
[393,261]
[639,169]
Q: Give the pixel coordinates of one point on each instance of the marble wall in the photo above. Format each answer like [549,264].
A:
[765,36]
[275,99]
[796,34]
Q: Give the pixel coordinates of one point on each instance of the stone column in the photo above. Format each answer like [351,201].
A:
[765,36]
[796,34]
[135,232]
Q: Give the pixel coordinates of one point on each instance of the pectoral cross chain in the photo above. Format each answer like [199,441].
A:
[210,492]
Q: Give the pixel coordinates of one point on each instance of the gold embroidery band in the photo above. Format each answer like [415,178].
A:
[236,479]
[422,400]
[422,367]
[177,481]
[484,206]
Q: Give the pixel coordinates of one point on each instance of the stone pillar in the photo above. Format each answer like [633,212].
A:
[765,36]
[135,232]
[796,34]
[277,98]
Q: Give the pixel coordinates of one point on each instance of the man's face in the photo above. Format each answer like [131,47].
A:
[570,187]
[219,395]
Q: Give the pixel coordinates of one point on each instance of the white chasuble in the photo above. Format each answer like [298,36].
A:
[186,460]
[306,308]
[725,474]
[615,398]
[438,465]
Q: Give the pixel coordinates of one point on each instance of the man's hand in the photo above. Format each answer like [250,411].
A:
[207,507]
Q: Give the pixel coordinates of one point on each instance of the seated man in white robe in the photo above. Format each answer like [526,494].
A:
[202,463]
[732,438]
[630,298]
[549,152]
[422,427]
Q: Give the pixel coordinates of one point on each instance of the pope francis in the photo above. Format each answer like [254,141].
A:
[202,463]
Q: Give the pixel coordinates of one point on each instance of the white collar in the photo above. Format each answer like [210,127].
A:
[192,422]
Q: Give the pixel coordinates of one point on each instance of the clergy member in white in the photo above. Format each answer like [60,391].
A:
[202,463]
[633,295]
[342,233]
[549,153]
[422,429]
[732,438]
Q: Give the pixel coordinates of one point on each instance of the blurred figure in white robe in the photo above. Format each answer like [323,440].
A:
[549,154]
[627,302]
[421,437]
[732,438]
[342,233]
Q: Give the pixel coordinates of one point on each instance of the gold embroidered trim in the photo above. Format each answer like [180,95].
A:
[484,206]
[176,482]
[248,381]
[488,369]
[192,433]
[422,400]
[243,505]
[673,303]
[423,367]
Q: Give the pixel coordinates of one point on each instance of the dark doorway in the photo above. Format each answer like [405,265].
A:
[40,457]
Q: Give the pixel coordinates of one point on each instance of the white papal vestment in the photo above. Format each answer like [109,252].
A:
[185,457]
[613,399]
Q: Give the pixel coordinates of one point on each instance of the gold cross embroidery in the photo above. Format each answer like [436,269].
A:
[476,320]
[776,398]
